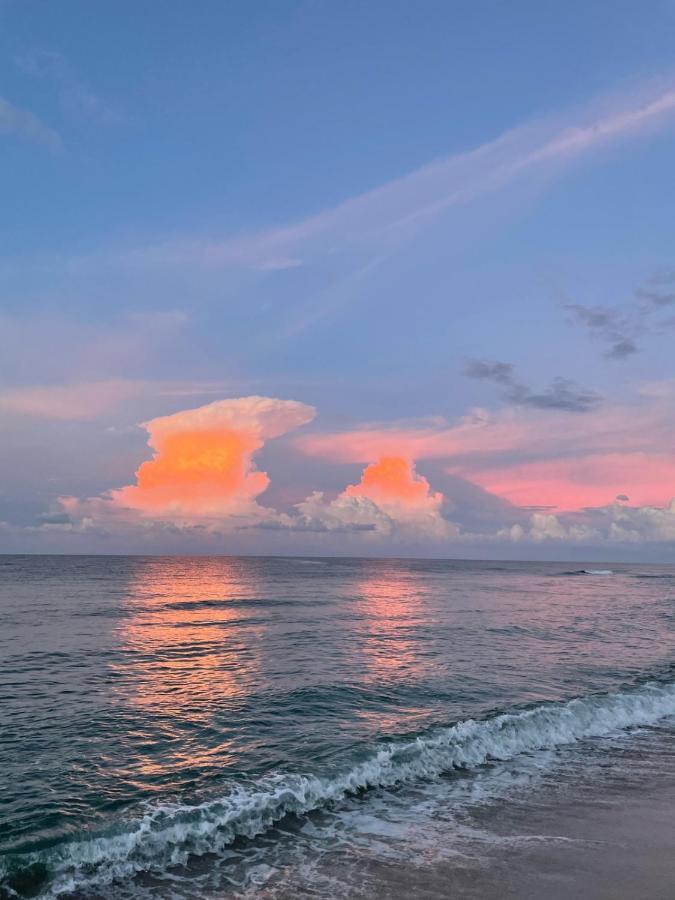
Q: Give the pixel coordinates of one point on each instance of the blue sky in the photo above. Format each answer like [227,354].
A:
[348,206]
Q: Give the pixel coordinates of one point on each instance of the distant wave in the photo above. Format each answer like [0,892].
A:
[654,575]
[590,572]
[294,560]
[168,834]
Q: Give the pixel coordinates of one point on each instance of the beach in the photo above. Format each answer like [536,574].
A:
[278,728]
[594,845]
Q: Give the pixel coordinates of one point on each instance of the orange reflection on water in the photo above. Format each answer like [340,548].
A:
[393,606]
[395,610]
[189,639]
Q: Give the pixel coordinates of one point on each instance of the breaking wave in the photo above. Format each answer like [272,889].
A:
[168,835]
[590,572]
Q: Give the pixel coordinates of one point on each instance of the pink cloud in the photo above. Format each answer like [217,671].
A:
[535,458]
[73,401]
[570,484]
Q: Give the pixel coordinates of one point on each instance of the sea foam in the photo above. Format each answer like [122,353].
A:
[167,835]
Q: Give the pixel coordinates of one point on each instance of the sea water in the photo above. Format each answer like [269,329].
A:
[283,727]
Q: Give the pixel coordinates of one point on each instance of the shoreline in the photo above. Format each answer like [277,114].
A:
[607,833]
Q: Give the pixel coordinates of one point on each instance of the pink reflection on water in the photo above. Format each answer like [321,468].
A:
[188,638]
[395,610]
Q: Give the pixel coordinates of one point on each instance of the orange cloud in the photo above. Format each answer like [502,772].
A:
[390,499]
[393,480]
[401,494]
[203,461]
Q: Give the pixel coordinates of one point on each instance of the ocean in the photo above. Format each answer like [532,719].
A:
[214,727]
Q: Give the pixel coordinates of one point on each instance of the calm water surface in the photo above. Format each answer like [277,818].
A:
[192,727]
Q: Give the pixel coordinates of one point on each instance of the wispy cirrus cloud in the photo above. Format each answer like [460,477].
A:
[394,211]
[52,348]
[73,93]
[14,120]
[87,400]
[346,242]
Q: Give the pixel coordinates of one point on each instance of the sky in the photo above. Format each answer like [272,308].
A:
[337,278]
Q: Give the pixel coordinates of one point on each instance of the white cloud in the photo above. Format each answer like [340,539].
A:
[546,527]
[638,524]
[342,514]
[72,92]
[615,523]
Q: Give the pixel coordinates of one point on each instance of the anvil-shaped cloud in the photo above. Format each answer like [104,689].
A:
[203,463]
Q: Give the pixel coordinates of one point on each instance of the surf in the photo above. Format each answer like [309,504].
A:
[168,834]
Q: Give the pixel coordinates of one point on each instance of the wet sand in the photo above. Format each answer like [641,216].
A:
[619,849]
[604,833]
[597,850]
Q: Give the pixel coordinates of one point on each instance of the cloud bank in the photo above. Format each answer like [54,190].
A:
[553,482]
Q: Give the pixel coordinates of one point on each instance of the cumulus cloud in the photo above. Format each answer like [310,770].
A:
[203,475]
[391,498]
[615,523]
[544,527]
[558,483]
[344,514]
[640,524]
[203,458]
[563,393]
[394,485]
